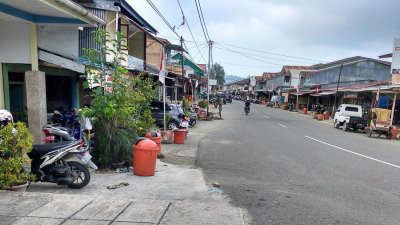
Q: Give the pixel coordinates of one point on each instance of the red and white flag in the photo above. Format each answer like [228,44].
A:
[197,82]
[161,75]
[316,89]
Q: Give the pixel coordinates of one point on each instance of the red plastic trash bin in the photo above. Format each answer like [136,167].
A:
[156,137]
[179,136]
[395,130]
[145,157]
[326,116]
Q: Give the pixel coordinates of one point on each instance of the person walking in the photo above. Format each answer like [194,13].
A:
[220,108]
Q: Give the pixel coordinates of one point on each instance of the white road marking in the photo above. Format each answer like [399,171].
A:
[266,117]
[355,153]
[282,125]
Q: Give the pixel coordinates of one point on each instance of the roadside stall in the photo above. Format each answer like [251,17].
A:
[380,123]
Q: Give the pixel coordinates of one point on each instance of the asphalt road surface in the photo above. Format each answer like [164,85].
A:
[286,168]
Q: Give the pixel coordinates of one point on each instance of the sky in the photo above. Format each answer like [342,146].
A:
[245,33]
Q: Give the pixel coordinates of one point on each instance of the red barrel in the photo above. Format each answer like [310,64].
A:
[145,156]
[326,116]
[179,136]
[284,107]
[320,117]
[395,130]
[305,111]
[156,137]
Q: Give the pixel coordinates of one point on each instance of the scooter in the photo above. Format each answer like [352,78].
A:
[247,110]
[51,163]
[68,128]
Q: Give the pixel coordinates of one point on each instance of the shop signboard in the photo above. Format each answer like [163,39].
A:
[350,95]
[396,62]
[212,82]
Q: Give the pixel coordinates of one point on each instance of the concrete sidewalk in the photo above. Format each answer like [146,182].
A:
[176,194]
[45,208]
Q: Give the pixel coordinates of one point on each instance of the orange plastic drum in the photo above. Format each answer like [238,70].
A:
[326,116]
[179,136]
[145,156]
[304,111]
[284,107]
[320,117]
[395,131]
[156,137]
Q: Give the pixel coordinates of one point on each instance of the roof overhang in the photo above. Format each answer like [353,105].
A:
[61,61]
[48,12]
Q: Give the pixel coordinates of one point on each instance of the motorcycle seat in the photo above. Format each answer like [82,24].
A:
[39,150]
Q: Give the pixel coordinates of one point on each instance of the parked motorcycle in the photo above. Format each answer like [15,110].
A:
[50,163]
[247,110]
[67,128]
[290,106]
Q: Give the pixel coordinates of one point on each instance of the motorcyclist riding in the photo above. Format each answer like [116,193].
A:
[247,106]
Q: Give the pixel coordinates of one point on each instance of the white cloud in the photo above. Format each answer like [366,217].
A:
[323,30]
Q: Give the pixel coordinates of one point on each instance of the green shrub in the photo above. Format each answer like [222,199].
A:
[202,104]
[15,142]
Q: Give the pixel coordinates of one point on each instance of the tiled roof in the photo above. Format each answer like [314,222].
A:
[270,75]
[286,69]
[203,66]
[258,78]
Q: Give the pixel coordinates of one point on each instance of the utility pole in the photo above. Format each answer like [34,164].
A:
[208,75]
[183,76]
[337,87]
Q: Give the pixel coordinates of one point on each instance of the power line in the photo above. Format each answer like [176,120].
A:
[242,54]
[201,11]
[162,17]
[201,22]
[190,30]
[271,53]
[248,65]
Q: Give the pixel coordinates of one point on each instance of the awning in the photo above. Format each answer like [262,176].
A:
[61,61]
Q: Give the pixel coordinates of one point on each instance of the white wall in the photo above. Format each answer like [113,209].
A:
[295,80]
[63,40]
[15,43]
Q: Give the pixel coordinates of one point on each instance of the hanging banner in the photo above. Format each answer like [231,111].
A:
[286,97]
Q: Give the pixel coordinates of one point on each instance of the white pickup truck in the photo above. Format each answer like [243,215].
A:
[349,116]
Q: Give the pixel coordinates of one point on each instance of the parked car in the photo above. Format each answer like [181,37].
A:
[349,116]
[157,112]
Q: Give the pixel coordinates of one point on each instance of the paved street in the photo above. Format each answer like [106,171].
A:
[286,168]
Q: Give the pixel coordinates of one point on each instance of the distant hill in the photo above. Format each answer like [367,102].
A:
[232,78]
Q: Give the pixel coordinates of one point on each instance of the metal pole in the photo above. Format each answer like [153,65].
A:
[308,101]
[183,76]
[165,125]
[393,107]
[297,101]
[208,77]
[337,87]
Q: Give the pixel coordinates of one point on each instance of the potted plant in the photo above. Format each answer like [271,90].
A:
[16,142]
[167,132]
[203,105]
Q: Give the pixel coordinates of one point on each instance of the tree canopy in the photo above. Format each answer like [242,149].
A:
[217,72]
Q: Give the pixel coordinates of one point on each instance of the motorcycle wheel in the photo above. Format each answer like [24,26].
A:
[192,123]
[82,172]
